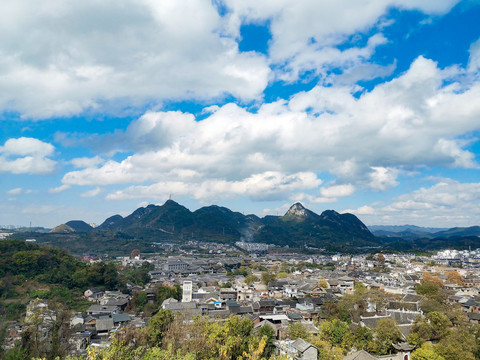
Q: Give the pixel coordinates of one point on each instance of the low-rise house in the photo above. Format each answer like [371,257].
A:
[470,306]
[191,308]
[121,319]
[77,319]
[100,310]
[263,306]
[299,349]
[93,294]
[104,326]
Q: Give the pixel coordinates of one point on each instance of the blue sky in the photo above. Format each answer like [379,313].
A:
[370,107]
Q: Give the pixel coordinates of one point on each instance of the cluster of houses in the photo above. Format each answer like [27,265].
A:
[296,297]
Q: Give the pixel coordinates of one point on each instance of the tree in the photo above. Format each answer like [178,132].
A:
[268,277]
[433,326]
[356,304]
[458,344]
[363,338]
[139,300]
[158,327]
[250,279]
[387,333]
[426,352]
[268,333]
[166,292]
[337,333]
[430,289]
[323,283]
[429,278]
[381,258]
[297,330]
[325,350]
[453,277]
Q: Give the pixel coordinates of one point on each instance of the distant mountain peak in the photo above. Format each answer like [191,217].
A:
[297,210]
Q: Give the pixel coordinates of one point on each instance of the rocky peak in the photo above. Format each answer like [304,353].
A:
[297,210]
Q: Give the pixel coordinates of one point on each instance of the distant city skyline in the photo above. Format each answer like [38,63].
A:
[368,107]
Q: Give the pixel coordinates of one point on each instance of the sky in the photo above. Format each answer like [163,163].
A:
[363,106]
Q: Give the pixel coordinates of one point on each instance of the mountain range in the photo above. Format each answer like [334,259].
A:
[298,227]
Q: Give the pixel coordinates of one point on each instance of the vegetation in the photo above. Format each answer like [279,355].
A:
[29,271]
[137,275]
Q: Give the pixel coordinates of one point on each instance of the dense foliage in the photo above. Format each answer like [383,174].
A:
[52,266]
[29,271]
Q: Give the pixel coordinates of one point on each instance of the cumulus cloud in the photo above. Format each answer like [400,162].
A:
[441,205]
[383,178]
[85,162]
[265,186]
[338,190]
[26,156]
[144,51]
[306,34]
[366,141]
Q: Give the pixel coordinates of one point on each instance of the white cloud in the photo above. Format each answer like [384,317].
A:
[474,61]
[59,189]
[306,34]
[265,186]
[26,156]
[16,191]
[383,178]
[85,162]
[144,51]
[445,204]
[335,191]
[364,142]
[91,193]
[26,146]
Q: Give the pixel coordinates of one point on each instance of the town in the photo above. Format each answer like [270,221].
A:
[295,295]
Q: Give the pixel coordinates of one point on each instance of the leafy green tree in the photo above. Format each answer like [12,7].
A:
[337,333]
[268,277]
[250,279]
[158,327]
[166,292]
[139,300]
[297,330]
[426,352]
[458,344]
[325,350]
[387,333]
[429,289]
[138,275]
[363,338]
[266,332]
